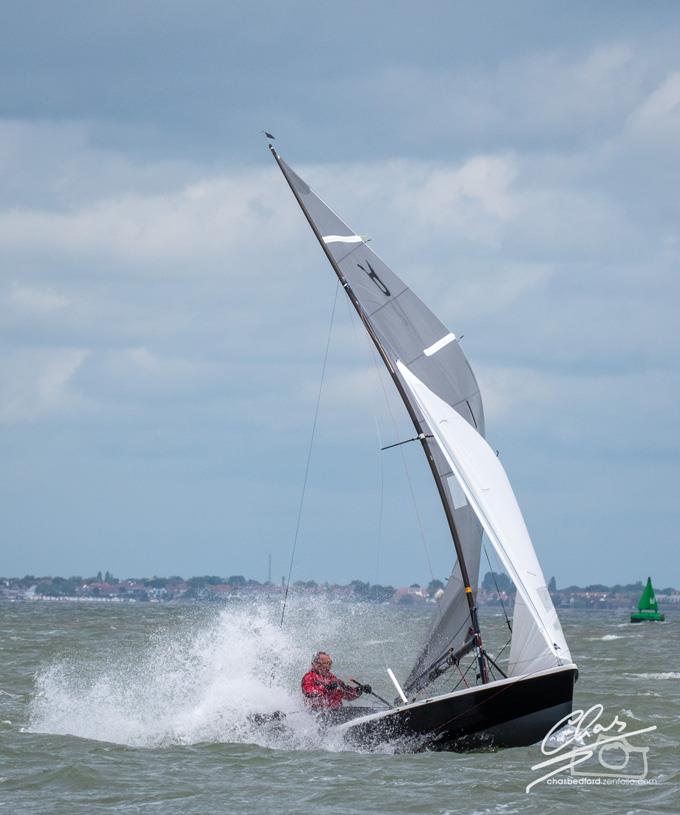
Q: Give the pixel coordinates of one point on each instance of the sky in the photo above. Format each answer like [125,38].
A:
[164,308]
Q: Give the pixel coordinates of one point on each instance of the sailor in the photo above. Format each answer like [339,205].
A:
[324,691]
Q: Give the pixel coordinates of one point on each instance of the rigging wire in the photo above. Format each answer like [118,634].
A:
[498,591]
[462,679]
[309,452]
[503,648]
[381,472]
[378,369]
[378,435]
[381,501]
[381,475]
[381,469]
[407,473]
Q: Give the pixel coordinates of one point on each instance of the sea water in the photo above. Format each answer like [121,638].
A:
[139,708]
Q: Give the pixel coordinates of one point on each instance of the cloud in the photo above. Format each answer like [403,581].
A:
[174,288]
[480,185]
[134,375]
[56,165]
[548,97]
[36,300]
[184,226]
[37,384]
[658,115]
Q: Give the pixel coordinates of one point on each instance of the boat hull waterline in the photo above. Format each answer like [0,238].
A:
[512,712]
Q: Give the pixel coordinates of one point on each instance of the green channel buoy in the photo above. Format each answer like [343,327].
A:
[647,607]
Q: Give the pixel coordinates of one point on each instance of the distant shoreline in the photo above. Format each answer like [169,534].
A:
[495,590]
[115,601]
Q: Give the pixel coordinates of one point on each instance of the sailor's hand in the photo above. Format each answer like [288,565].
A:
[361,687]
[331,685]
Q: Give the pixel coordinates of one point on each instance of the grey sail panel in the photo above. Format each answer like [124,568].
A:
[450,629]
[409,332]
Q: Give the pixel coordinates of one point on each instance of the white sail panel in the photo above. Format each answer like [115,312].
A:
[487,489]
[529,651]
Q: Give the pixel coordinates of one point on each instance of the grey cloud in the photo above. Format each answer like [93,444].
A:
[37,383]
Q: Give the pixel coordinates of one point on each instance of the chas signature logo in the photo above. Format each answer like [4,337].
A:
[592,741]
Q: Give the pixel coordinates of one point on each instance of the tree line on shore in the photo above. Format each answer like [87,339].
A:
[206,586]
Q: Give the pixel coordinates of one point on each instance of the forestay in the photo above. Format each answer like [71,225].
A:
[407,330]
[538,641]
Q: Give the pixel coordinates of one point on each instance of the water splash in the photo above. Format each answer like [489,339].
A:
[202,684]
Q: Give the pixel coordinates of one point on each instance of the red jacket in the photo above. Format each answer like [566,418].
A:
[318,694]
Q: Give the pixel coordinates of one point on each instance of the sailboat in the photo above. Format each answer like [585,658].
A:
[440,394]
[647,606]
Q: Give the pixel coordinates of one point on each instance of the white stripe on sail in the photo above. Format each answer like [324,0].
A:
[342,239]
[437,346]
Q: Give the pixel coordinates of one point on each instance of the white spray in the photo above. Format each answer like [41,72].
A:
[199,685]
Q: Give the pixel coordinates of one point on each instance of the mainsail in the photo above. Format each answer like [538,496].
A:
[406,331]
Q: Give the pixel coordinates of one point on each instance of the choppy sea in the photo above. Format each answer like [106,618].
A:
[142,708]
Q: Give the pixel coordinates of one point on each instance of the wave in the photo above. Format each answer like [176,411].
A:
[657,675]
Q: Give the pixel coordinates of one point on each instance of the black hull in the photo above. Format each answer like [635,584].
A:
[512,712]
